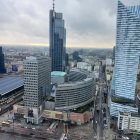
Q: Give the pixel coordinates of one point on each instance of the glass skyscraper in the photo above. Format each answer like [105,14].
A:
[2,66]
[57,41]
[127,52]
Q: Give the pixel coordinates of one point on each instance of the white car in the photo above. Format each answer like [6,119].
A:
[105,125]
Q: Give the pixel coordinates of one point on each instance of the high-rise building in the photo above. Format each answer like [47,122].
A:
[113,53]
[127,52]
[57,41]
[67,59]
[2,66]
[37,77]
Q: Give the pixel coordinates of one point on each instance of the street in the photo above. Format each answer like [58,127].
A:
[101,117]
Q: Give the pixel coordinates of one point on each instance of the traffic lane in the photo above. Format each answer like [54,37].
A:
[41,132]
[5,136]
[100,114]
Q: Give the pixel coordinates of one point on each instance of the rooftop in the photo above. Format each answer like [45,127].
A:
[57,74]
[129,114]
[9,83]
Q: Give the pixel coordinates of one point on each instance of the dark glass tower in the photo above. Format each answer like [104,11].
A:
[2,66]
[57,41]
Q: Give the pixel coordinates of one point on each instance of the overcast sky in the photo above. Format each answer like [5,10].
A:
[89,23]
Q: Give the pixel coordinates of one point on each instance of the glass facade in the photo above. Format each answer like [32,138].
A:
[2,66]
[57,41]
[127,52]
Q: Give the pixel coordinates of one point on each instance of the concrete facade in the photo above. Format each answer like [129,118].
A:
[128,122]
[37,76]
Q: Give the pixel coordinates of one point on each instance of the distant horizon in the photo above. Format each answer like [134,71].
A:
[89,24]
[47,46]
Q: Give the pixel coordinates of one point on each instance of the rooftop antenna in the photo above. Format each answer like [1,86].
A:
[53,5]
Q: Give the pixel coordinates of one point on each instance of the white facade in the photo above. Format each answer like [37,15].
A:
[109,72]
[96,74]
[109,62]
[108,77]
[96,68]
[37,76]
[84,65]
[128,122]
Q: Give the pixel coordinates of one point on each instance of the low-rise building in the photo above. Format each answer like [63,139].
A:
[109,62]
[129,122]
[58,77]
[109,72]
[85,66]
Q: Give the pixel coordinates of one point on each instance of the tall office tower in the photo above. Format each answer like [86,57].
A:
[57,41]
[127,52]
[113,53]
[67,59]
[37,76]
[2,66]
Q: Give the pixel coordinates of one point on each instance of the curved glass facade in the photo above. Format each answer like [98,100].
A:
[75,94]
[127,51]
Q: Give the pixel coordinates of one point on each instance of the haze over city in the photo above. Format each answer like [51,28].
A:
[90,24]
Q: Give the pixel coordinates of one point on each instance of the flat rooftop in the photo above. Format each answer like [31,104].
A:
[131,114]
[10,83]
[58,74]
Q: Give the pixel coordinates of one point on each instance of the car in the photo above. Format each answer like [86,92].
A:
[104,118]
[104,109]
[104,121]
[104,114]
[105,125]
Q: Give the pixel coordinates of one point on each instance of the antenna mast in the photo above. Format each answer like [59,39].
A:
[53,5]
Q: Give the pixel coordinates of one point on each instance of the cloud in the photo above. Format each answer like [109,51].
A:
[89,23]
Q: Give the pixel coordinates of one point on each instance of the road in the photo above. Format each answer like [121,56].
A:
[5,136]
[101,117]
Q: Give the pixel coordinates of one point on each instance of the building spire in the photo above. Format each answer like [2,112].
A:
[53,5]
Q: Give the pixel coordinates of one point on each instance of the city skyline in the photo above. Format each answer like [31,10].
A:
[29,22]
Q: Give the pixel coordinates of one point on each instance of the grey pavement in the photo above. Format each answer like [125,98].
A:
[4,136]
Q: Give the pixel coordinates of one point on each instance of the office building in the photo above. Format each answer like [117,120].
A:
[57,41]
[85,66]
[113,53]
[67,59]
[77,92]
[2,65]
[128,122]
[108,62]
[37,76]
[127,52]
